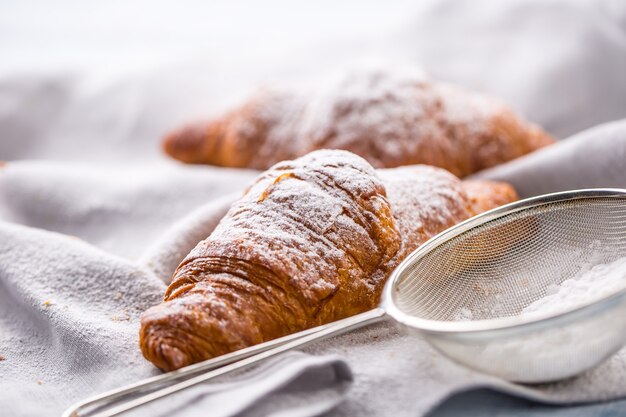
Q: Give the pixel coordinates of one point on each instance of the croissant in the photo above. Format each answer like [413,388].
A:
[312,241]
[390,119]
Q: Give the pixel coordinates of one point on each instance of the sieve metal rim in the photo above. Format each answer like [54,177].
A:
[440,327]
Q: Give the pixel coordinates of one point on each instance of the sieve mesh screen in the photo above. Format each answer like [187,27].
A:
[499,267]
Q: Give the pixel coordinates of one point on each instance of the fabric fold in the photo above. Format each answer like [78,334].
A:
[594,158]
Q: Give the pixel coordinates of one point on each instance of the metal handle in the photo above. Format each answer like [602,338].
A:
[207,369]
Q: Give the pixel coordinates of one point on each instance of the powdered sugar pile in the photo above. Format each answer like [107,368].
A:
[589,285]
[556,352]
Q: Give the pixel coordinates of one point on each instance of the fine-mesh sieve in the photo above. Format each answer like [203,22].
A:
[463,291]
[493,266]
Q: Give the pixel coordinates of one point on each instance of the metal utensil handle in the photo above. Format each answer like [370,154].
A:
[226,364]
[152,383]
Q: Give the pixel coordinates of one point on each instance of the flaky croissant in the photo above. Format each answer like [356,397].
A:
[390,119]
[312,241]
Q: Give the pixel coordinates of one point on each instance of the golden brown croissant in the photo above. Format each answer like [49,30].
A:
[312,241]
[389,119]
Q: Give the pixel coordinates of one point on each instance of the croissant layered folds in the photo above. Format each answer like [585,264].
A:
[312,241]
[389,118]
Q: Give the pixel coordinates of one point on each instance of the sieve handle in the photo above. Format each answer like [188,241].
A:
[112,403]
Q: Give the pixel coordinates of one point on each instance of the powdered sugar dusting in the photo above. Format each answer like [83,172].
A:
[382,114]
[425,200]
[391,116]
[400,117]
[321,218]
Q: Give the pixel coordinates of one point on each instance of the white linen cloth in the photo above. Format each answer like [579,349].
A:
[68,310]
[95,219]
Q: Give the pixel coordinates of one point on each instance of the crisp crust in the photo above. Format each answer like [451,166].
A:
[388,118]
[312,241]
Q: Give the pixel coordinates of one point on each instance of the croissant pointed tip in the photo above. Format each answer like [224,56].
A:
[187,144]
[161,343]
[189,329]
